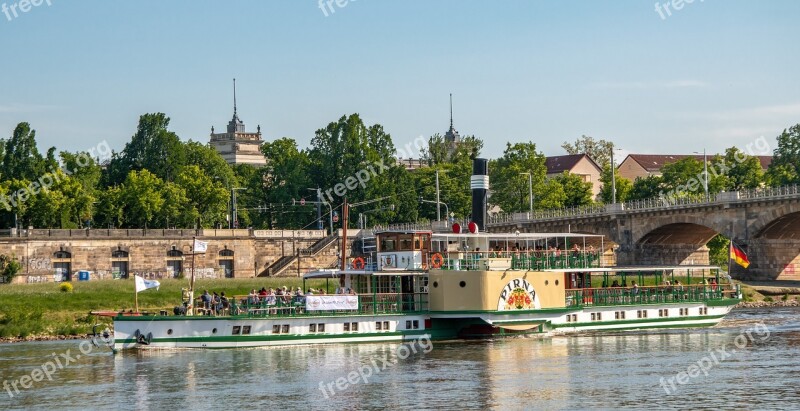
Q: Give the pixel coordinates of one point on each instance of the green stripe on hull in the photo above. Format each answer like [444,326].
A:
[280,337]
[640,321]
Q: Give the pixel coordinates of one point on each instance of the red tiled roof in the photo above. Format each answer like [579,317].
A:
[654,162]
[560,164]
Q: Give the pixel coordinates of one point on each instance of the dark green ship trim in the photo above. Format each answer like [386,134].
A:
[642,320]
[255,317]
[281,337]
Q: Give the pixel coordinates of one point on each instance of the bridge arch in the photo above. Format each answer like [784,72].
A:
[778,223]
[689,229]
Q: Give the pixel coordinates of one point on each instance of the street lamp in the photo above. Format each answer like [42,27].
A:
[530,191]
[446,208]
[705,172]
[234,212]
[613,176]
[362,217]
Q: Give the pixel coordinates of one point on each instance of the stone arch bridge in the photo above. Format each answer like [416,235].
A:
[764,222]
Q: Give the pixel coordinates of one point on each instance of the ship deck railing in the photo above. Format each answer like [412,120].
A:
[615,296]
[368,304]
[514,260]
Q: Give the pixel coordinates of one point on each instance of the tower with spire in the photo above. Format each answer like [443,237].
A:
[451,137]
[236,145]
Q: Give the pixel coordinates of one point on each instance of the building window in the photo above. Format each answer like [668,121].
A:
[62,265]
[226,262]
[175,262]
[119,264]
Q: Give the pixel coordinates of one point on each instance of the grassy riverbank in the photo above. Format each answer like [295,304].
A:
[43,311]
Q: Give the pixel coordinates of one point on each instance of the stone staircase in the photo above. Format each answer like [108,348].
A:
[282,264]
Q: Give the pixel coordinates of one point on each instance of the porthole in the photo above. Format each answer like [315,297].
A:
[214,331]
[546,282]
[169,332]
[556,282]
[435,284]
[462,284]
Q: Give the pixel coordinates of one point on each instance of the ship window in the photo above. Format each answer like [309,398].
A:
[416,324]
[408,325]
[354,327]
[284,329]
[569,318]
[377,325]
[386,325]
[320,328]
[169,332]
[462,284]
[312,328]
[246,330]
[347,326]
[214,331]
[556,282]
[236,330]
[435,284]
[546,282]
[276,329]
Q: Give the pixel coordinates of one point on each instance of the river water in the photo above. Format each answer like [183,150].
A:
[752,361]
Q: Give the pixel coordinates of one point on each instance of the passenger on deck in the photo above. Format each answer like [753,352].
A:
[615,284]
[634,288]
[262,293]
[252,298]
[270,297]
[206,299]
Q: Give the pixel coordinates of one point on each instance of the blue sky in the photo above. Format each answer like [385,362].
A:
[713,74]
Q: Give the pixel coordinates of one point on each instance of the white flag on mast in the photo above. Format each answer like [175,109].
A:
[200,246]
[142,284]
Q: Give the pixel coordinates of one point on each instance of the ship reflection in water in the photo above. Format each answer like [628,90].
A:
[614,370]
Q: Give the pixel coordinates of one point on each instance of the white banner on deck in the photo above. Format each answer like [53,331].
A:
[331,302]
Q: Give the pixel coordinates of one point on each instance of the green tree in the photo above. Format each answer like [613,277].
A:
[109,209]
[142,196]
[210,162]
[286,178]
[646,187]
[22,159]
[153,148]
[785,166]
[577,192]
[510,186]
[9,267]
[742,171]
[208,198]
[623,186]
[685,178]
[598,150]
[718,251]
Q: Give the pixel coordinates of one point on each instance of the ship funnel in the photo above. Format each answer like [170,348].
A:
[479,183]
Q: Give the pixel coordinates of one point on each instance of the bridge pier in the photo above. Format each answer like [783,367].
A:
[663,254]
[770,259]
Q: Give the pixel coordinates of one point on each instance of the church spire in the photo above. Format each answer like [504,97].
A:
[451,110]
[234,97]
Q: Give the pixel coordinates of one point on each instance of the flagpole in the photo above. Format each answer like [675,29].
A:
[135,296]
[191,285]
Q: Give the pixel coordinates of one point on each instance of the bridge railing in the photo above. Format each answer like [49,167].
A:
[647,204]
[767,192]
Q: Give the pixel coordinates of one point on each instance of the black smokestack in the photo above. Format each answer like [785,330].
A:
[480,191]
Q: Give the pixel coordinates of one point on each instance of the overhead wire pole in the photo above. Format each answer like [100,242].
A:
[439,208]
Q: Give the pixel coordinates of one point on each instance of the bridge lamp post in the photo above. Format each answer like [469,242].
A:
[530,191]
[613,176]
[705,172]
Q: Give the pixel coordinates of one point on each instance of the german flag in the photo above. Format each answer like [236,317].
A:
[738,255]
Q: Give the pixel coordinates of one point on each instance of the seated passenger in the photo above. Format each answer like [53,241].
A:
[634,288]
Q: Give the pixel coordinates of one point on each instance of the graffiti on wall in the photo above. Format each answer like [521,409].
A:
[38,263]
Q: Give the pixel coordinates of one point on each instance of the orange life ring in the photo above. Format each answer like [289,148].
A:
[358,263]
[437,260]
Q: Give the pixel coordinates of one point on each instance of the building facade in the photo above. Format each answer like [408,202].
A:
[644,165]
[578,164]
